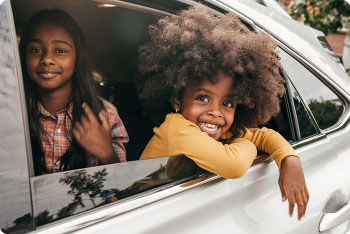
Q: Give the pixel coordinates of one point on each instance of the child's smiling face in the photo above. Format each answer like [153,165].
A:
[50,57]
[210,106]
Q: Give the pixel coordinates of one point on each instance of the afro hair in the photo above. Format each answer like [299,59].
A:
[194,45]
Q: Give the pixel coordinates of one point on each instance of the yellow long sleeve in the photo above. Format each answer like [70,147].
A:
[180,136]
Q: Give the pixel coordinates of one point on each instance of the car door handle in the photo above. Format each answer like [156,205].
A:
[331,220]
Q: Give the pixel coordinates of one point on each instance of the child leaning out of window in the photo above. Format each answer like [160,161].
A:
[222,81]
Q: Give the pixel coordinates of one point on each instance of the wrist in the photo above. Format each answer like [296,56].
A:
[289,159]
[108,157]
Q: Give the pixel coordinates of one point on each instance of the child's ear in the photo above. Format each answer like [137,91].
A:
[175,102]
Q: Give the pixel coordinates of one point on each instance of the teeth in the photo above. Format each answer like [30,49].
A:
[208,127]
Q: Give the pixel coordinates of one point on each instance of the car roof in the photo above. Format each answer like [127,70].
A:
[299,38]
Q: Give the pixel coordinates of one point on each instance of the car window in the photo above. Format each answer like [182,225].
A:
[114,44]
[324,104]
[306,126]
[81,190]
[113,35]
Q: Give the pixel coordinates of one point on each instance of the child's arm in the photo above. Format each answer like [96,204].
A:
[292,185]
[180,136]
[291,181]
[95,137]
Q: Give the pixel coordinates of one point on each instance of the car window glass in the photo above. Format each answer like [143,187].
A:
[324,104]
[80,190]
[306,126]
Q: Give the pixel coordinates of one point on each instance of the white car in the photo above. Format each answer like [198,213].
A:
[142,196]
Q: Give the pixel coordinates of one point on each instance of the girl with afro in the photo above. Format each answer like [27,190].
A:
[222,81]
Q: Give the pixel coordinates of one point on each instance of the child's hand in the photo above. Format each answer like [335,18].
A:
[95,137]
[292,185]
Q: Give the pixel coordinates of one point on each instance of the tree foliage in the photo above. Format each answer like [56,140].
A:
[325,15]
[82,183]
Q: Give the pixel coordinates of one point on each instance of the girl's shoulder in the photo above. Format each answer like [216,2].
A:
[108,107]
[111,113]
[176,123]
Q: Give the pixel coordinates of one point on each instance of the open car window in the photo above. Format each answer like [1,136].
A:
[324,104]
[114,32]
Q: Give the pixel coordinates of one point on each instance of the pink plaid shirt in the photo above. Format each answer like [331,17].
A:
[58,135]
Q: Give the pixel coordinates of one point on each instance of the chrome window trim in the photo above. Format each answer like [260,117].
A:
[308,140]
[133,6]
[194,2]
[96,215]
[229,9]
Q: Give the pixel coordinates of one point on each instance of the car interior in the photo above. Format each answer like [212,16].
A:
[114,31]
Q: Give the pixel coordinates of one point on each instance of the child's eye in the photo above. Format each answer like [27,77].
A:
[36,50]
[61,51]
[203,98]
[228,103]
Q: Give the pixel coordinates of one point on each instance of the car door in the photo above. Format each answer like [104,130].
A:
[142,197]
[252,204]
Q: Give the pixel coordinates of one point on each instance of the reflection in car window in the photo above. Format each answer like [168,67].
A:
[325,105]
[307,128]
[80,190]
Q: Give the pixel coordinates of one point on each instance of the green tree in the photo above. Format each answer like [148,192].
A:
[326,112]
[325,15]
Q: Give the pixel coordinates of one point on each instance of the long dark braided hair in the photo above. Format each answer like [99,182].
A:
[84,89]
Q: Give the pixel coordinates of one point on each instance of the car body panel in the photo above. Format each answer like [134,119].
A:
[251,204]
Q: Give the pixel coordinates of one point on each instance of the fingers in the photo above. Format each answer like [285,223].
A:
[291,200]
[103,120]
[84,121]
[88,113]
[78,131]
[305,199]
[301,205]
[283,193]
[301,198]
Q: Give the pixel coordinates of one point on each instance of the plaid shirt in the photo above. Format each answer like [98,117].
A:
[58,135]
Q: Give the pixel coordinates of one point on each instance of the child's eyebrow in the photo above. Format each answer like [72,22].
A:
[202,89]
[230,96]
[54,41]
[64,42]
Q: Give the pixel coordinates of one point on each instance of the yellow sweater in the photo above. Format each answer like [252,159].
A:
[177,135]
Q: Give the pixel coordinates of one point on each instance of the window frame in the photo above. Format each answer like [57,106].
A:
[331,86]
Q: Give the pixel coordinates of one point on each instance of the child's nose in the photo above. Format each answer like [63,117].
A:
[47,59]
[215,111]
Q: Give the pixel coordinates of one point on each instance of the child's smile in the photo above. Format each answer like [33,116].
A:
[48,74]
[50,57]
[210,106]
